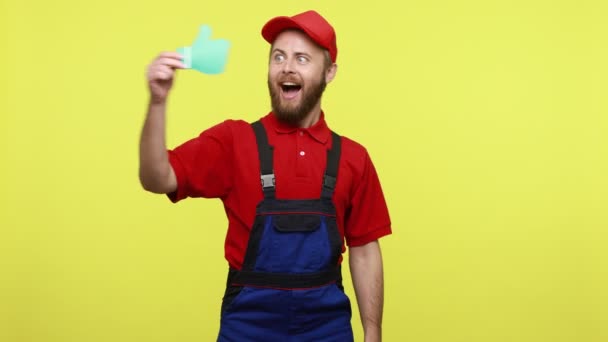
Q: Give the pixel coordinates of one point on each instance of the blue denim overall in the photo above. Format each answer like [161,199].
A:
[290,286]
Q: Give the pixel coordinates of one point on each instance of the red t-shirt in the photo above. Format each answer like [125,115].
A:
[222,162]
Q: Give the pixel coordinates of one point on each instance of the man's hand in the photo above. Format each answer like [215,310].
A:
[160,75]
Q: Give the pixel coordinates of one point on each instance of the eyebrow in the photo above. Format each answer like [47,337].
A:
[283,52]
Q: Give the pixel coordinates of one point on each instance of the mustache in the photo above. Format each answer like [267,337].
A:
[292,79]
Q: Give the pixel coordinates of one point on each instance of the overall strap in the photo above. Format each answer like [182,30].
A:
[331,172]
[265,155]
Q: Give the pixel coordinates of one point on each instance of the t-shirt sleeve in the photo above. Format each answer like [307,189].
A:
[367,219]
[203,165]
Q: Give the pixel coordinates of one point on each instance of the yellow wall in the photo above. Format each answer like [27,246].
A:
[487,121]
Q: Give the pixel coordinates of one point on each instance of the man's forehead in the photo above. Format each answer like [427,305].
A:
[295,38]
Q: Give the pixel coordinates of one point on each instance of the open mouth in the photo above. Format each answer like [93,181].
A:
[290,90]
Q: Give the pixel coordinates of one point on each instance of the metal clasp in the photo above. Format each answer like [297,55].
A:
[267,180]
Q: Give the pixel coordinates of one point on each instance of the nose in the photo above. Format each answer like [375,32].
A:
[288,66]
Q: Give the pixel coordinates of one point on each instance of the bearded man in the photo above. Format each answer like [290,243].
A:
[295,194]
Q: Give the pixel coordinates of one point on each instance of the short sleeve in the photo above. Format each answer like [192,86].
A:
[203,165]
[367,218]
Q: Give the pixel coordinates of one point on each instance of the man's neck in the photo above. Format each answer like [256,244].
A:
[312,117]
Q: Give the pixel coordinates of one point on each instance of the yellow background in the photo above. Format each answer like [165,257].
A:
[487,121]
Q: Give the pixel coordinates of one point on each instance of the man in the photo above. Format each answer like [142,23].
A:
[293,192]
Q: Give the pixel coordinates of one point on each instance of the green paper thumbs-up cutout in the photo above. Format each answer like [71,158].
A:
[206,55]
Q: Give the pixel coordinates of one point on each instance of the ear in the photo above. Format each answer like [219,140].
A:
[331,73]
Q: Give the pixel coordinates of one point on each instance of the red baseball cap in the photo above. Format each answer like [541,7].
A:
[311,23]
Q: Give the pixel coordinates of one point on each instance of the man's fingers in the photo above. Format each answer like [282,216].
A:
[160,72]
[171,58]
[170,54]
[167,64]
[172,62]
[163,76]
